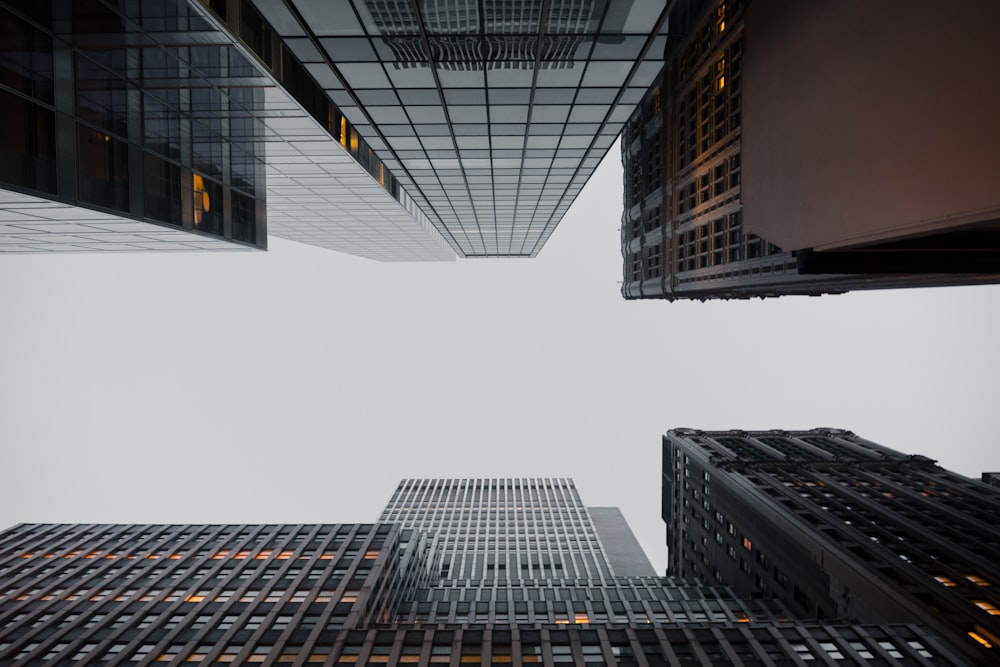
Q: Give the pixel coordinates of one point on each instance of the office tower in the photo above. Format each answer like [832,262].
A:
[390,594]
[391,130]
[836,527]
[774,157]
[515,529]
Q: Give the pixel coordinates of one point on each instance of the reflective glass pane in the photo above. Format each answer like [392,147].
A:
[102,163]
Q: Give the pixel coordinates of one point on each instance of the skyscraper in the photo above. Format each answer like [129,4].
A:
[836,527]
[513,529]
[769,157]
[391,130]
[418,591]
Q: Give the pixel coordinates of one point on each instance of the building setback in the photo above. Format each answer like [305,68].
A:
[769,157]
[397,593]
[836,527]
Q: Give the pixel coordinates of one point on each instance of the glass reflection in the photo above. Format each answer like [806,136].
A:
[153,131]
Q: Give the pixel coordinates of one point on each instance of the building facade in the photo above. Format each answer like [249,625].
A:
[390,130]
[836,527]
[511,529]
[753,171]
[398,593]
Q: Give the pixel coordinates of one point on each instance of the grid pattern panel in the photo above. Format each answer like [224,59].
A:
[492,115]
[502,528]
[221,593]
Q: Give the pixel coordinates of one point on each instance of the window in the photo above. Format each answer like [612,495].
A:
[988,607]
[977,580]
[891,649]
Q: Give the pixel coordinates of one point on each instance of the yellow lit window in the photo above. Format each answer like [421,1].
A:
[988,607]
[977,580]
[284,555]
[263,555]
[326,556]
[371,553]
[343,132]
[980,640]
[944,581]
[581,618]
[202,202]
[195,598]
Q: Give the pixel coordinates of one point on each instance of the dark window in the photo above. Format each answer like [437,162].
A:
[102,169]
[162,181]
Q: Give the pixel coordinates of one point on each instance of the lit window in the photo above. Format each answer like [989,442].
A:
[920,649]
[944,581]
[980,640]
[988,607]
[747,544]
[977,580]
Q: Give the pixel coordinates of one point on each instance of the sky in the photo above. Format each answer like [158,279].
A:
[300,385]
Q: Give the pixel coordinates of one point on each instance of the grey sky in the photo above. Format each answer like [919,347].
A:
[299,385]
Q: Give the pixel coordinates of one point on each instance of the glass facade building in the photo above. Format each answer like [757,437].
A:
[836,526]
[408,592]
[392,130]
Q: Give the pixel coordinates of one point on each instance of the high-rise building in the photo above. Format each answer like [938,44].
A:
[416,591]
[391,130]
[772,156]
[836,527]
[516,529]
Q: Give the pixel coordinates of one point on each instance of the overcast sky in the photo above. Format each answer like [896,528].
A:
[299,385]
